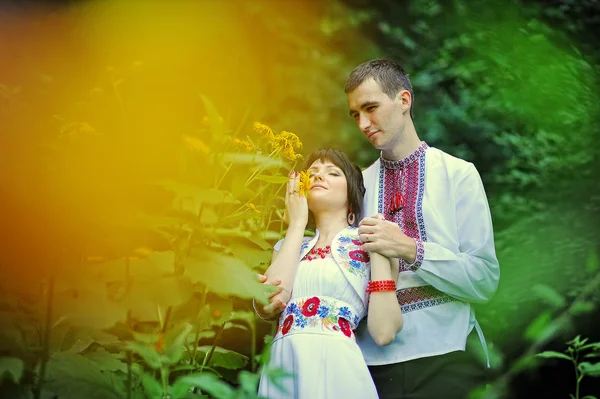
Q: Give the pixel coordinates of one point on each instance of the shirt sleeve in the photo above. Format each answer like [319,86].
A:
[470,274]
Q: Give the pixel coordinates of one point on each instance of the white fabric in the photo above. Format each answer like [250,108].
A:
[459,260]
[324,366]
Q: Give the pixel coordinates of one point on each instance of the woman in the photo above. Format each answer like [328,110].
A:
[328,283]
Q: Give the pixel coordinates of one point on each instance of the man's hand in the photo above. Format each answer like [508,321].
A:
[386,238]
[277,299]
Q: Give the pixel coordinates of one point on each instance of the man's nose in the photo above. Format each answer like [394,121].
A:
[364,123]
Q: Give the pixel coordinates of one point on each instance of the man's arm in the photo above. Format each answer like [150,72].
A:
[472,274]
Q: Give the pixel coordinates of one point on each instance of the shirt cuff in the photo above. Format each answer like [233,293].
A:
[260,314]
[419,257]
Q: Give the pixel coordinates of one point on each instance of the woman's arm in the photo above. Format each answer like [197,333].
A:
[277,299]
[284,262]
[384,319]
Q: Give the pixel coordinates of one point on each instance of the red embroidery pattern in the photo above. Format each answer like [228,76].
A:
[405,175]
[421,297]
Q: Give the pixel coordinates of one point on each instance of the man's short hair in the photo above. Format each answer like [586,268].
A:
[389,75]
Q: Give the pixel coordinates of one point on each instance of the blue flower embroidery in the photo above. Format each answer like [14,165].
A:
[345,240]
[323,311]
[355,320]
[356,264]
[344,312]
[300,321]
[294,309]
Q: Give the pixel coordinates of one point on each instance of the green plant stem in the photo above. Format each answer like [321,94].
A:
[164,378]
[166,320]
[197,335]
[253,343]
[259,170]
[223,176]
[249,201]
[129,361]
[213,347]
[577,373]
[46,341]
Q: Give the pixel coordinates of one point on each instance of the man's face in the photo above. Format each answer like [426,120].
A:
[380,118]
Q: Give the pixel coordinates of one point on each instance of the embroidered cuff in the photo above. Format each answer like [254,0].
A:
[419,257]
[260,314]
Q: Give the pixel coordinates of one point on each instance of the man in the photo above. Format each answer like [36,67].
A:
[436,220]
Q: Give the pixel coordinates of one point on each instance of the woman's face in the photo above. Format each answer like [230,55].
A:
[328,186]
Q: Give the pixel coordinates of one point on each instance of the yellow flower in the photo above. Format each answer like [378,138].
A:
[286,142]
[244,145]
[264,130]
[291,139]
[304,184]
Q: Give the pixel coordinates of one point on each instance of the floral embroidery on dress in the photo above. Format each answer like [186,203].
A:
[352,257]
[345,327]
[323,313]
[287,324]
[310,306]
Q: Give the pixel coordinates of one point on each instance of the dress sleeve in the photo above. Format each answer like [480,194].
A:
[470,274]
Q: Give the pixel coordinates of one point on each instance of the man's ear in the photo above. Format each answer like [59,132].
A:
[405,99]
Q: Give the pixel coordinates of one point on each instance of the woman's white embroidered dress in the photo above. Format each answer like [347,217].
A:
[315,338]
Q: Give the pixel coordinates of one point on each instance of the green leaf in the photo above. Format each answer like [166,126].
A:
[175,342]
[248,381]
[552,354]
[152,387]
[11,368]
[222,357]
[549,295]
[537,326]
[220,310]
[230,325]
[106,360]
[88,309]
[591,369]
[224,275]
[151,357]
[273,179]
[73,376]
[592,262]
[580,307]
[206,382]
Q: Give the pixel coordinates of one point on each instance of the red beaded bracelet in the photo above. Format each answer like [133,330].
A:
[381,285]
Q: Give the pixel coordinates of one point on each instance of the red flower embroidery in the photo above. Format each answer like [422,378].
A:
[287,324]
[310,306]
[345,327]
[357,242]
[359,255]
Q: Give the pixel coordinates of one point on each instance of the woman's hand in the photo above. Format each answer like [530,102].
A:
[296,205]
[277,299]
